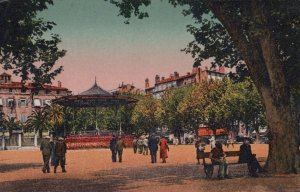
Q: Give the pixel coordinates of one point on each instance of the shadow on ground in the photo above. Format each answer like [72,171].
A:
[137,178]
[114,180]
[17,166]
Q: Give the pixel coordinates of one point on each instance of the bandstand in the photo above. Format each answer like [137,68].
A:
[93,98]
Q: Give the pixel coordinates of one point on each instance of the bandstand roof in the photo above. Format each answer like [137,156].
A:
[93,97]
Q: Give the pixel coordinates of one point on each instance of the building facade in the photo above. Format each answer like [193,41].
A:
[161,84]
[16,99]
[127,89]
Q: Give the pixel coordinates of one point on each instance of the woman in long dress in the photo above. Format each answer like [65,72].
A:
[164,148]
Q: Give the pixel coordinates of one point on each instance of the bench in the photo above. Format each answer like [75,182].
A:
[209,167]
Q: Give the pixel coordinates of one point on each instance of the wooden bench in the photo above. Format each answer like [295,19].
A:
[209,167]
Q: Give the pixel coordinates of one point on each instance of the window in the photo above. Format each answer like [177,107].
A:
[11,102]
[10,90]
[36,103]
[47,102]
[1,102]
[57,92]
[23,118]
[22,103]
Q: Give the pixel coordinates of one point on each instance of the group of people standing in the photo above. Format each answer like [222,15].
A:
[144,144]
[116,146]
[218,157]
[55,150]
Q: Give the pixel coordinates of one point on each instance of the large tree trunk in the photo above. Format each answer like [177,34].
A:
[262,57]
[282,133]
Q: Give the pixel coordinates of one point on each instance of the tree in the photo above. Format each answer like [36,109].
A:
[171,116]
[261,39]
[55,115]
[38,122]
[12,124]
[144,116]
[26,46]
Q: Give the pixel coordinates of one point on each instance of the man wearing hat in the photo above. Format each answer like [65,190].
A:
[120,145]
[46,149]
[60,152]
[113,148]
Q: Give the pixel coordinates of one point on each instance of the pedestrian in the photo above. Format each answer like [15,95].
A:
[175,141]
[140,145]
[164,148]
[246,156]
[212,142]
[120,146]
[200,147]
[134,145]
[113,148]
[218,157]
[46,149]
[53,143]
[153,147]
[60,154]
[145,146]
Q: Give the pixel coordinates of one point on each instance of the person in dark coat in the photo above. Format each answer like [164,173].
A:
[246,156]
[60,154]
[46,149]
[134,145]
[113,148]
[120,145]
[53,143]
[153,147]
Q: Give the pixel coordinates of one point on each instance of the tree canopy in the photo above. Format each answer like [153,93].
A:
[26,45]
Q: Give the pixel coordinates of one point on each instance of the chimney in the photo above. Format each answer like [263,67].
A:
[59,83]
[162,78]
[176,74]
[222,69]
[147,85]
[157,79]
[188,73]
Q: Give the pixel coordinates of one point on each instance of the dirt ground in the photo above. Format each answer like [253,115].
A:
[92,170]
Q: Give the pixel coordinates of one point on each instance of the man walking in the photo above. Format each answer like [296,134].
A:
[113,148]
[153,147]
[46,149]
[134,144]
[60,153]
[120,146]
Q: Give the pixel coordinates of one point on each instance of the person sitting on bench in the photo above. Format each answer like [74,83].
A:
[246,156]
[217,157]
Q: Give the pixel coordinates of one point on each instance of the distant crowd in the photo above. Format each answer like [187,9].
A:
[54,152]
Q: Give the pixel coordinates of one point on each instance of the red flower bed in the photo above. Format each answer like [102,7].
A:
[94,141]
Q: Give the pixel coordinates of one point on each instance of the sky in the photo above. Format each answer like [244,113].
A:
[100,45]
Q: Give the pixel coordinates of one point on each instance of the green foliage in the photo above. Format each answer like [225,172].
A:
[38,122]
[144,115]
[171,116]
[24,47]
[12,124]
